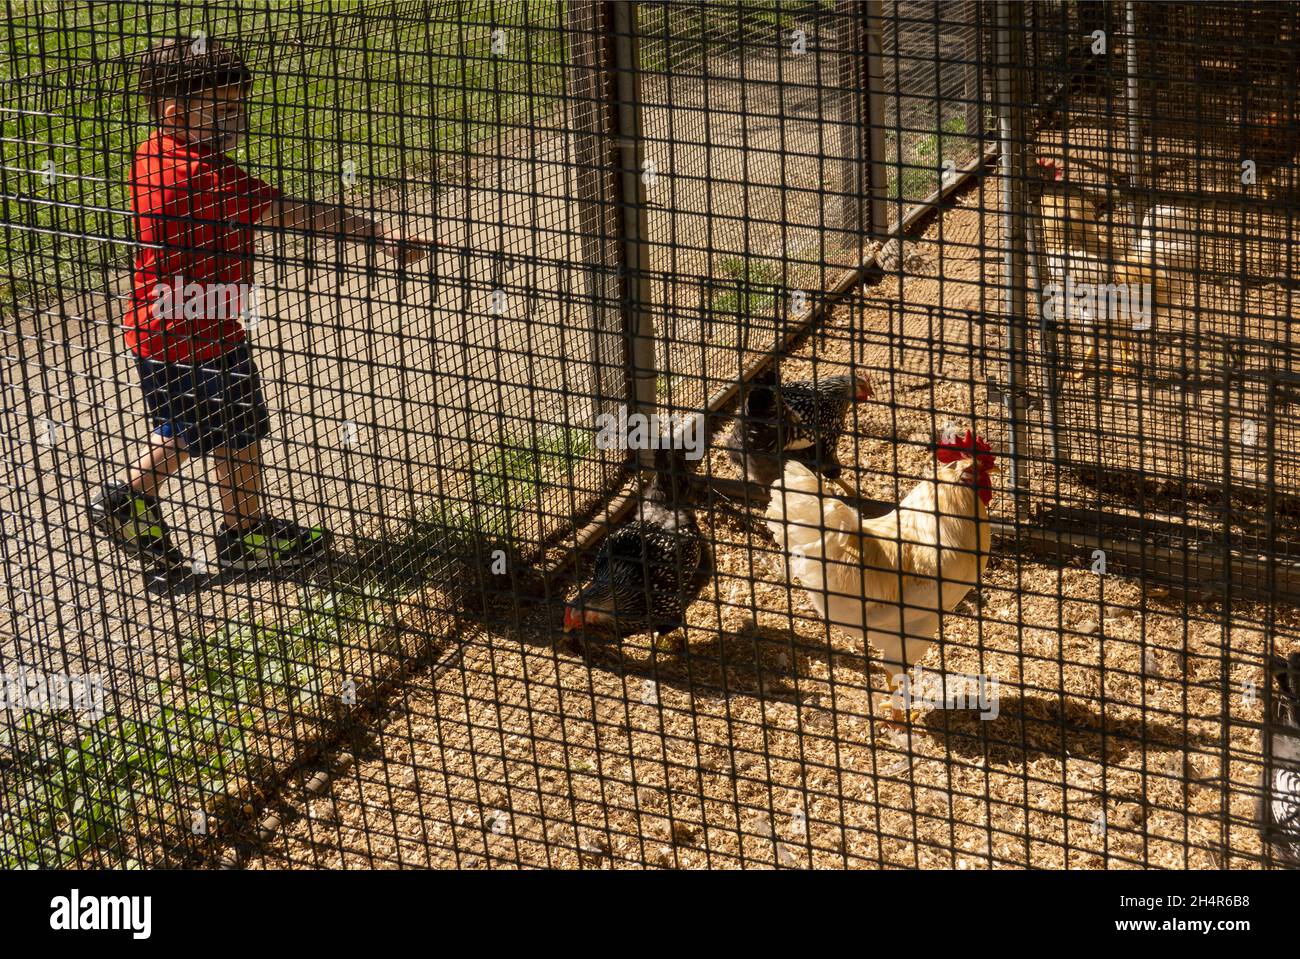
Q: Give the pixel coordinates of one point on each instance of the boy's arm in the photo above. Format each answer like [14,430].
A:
[330,218]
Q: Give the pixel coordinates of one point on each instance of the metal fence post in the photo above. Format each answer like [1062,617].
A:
[1011,111]
[634,227]
[971,74]
[865,178]
[595,174]
[877,170]
[1132,93]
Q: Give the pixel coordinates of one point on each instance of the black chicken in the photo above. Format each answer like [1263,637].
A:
[801,421]
[1280,801]
[648,570]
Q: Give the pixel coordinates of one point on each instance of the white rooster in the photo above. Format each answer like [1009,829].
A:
[890,579]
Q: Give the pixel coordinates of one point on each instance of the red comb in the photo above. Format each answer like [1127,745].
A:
[1050,166]
[965,448]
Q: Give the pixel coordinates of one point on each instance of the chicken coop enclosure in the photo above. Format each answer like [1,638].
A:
[664,533]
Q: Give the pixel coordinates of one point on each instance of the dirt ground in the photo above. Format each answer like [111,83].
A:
[1126,735]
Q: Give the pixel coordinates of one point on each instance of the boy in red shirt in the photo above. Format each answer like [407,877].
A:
[195,213]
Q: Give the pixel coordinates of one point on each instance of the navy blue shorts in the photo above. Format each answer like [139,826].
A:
[213,403]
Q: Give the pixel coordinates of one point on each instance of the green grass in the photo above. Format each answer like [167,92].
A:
[452,540]
[398,94]
[748,288]
[506,479]
[681,37]
[921,173]
[236,684]
[64,800]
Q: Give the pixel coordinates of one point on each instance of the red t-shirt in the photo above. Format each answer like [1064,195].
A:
[194,217]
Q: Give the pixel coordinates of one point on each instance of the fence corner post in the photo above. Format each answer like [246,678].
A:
[1012,105]
[864,184]
[633,222]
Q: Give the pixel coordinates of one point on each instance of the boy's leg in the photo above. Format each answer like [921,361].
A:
[166,455]
[239,474]
[129,512]
[249,540]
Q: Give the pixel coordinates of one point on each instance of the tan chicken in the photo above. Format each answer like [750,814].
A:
[1115,295]
[1272,143]
[1071,217]
[1115,302]
[892,578]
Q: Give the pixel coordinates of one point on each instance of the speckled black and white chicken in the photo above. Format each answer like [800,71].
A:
[1280,801]
[800,421]
[649,569]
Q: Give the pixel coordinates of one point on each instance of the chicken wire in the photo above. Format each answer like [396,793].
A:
[757,126]
[426,416]
[673,208]
[1152,141]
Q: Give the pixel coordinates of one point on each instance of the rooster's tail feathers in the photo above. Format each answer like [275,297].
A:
[794,513]
[795,494]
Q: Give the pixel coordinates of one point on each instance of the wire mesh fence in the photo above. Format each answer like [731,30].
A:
[717,435]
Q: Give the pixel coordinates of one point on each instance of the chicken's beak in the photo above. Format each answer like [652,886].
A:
[865,390]
[572,619]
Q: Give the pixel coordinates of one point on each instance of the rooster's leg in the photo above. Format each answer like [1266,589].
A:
[1124,364]
[900,718]
[902,721]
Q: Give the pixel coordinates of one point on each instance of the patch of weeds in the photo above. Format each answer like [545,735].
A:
[510,474]
[749,289]
[922,174]
[64,800]
[462,529]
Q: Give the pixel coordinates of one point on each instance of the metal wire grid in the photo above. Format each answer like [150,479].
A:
[1124,737]
[754,117]
[746,180]
[758,744]
[933,102]
[1155,175]
[406,422]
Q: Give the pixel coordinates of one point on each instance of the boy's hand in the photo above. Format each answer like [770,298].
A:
[407,249]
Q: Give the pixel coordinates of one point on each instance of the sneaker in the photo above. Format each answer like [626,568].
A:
[132,520]
[269,544]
